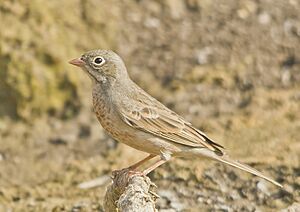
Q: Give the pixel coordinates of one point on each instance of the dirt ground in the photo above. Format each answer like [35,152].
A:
[232,68]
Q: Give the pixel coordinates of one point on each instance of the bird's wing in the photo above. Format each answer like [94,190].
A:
[149,115]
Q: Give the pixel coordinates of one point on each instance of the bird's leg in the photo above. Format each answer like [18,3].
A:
[132,169]
[164,157]
[154,166]
[136,165]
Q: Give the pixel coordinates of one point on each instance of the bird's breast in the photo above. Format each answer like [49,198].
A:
[109,118]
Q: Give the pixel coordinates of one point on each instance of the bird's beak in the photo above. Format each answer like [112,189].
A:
[77,62]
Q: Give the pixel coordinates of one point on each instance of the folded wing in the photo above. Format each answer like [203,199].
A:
[149,115]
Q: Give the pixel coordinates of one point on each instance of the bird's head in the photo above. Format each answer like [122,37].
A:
[103,66]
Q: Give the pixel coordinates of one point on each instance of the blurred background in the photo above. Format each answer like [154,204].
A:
[232,68]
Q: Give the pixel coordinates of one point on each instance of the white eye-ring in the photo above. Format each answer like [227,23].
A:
[99,61]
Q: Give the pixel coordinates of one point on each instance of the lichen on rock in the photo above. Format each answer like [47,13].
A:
[39,38]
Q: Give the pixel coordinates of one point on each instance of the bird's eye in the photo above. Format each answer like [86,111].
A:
[98,61]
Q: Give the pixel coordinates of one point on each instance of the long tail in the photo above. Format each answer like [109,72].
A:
[244,167]
[225,159]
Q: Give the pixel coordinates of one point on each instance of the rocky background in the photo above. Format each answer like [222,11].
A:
[232,68]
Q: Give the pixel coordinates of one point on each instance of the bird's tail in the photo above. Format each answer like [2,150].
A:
[244,167]
[225,159]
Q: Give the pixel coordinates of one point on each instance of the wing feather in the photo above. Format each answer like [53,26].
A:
[151,116]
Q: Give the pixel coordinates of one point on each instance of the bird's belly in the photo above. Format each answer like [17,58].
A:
[146,142]
[140,142]
[133,139]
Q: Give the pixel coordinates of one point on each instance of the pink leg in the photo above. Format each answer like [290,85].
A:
[154,166]
[136,165]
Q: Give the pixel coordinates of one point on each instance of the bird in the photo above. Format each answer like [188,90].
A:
[131,116]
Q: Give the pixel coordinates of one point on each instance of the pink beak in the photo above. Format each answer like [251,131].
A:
[77,62]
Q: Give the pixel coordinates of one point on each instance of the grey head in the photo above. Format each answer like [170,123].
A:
[103,66]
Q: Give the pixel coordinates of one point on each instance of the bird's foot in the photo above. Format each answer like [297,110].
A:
[128,172]
[122,177]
